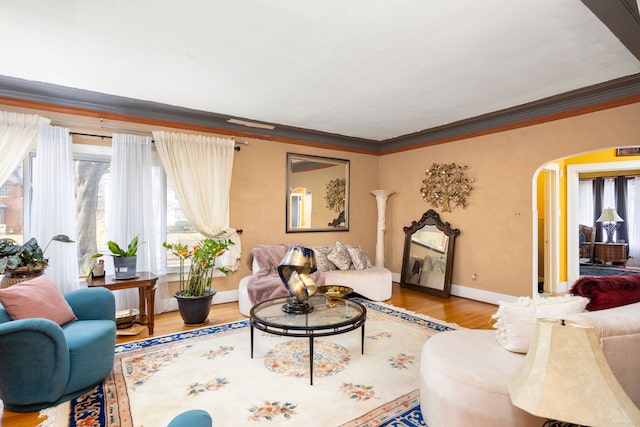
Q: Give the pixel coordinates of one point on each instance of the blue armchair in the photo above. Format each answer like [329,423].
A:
[192,418]
[43,364]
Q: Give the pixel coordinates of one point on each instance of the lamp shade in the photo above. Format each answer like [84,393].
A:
[609,215]
[565,377]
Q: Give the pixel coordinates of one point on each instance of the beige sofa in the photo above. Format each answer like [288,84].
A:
[464,373]
[373,283]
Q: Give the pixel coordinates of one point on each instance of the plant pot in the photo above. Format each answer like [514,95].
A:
[125,266]
[194,310]
[20,274]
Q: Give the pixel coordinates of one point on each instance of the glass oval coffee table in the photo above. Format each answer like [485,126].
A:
[329,317]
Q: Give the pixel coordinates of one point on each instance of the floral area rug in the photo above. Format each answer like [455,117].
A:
[210,368]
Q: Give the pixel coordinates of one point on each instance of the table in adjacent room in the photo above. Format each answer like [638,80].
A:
[329,317]
[611,252]
[146,284]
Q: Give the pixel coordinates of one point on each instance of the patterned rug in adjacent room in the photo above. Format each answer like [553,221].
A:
[210,368]
[593,270]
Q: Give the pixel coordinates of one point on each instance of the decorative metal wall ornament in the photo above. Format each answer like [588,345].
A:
[335,194]
[335,198]
[446,186]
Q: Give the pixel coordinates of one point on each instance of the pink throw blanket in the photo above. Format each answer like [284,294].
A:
[266,284]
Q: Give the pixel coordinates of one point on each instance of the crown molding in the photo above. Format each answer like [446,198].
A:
[609,94]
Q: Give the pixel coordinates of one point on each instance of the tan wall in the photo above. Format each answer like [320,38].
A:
[258,199]
[496,239]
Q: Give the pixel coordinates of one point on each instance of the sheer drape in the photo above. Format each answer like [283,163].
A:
[53,206]
[585,200]
[199,168]
[131,209]
[18,133]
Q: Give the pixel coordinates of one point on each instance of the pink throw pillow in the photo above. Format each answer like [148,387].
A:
[36,298]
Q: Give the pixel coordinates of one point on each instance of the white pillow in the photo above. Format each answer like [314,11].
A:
[322,262]
[516,321]
[359,258]
[340,256]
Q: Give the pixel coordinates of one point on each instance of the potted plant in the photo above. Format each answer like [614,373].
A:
[195,292]
[20,262]
[124,260]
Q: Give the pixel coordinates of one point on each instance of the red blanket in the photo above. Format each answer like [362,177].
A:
[608,291]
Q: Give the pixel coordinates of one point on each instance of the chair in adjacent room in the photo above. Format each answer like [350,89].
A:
[587,236]
[45,361]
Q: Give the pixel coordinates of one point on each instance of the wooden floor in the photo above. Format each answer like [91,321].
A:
[464,312]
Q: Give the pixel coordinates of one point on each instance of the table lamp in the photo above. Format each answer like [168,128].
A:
[294,270]
[565,377]
[609,220]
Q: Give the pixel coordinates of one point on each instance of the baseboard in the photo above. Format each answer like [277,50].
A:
[220,297]
[471,293]
[481,295]
[562,287]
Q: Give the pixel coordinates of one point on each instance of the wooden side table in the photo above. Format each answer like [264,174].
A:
[611,252]
[146,284]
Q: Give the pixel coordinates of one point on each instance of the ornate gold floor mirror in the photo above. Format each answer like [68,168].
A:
[427,263]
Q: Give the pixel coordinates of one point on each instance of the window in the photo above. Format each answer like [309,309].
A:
[12,206]
[93,191]
[179,229]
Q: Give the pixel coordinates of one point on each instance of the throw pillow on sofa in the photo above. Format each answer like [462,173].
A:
[38,297]
[516,321]
[359,258]
[340,256]
[322,262]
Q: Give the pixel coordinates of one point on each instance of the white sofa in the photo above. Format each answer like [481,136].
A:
[464,373]
[373,283]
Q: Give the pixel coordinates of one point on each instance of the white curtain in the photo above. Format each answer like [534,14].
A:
[199,168]
[18,134]
[585,202]
[53,207]
[633,224]
[131,209]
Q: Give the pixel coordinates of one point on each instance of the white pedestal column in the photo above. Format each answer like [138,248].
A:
[381,199]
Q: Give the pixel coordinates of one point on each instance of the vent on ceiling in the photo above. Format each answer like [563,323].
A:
[251,124]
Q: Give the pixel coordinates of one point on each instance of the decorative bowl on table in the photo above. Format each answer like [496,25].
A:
[124,318]
[334,292]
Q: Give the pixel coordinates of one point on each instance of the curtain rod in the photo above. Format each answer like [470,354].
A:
[91,135]
[101,125]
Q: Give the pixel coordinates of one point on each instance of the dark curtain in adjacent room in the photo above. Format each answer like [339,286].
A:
[621,207]
[598,195]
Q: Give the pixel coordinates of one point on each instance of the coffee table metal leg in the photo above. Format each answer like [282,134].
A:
[251,334]
[362,339]
[311,360]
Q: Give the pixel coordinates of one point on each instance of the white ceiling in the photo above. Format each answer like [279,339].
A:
[373,69]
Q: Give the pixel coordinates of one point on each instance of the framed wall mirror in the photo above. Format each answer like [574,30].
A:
[317,196]
[427,263]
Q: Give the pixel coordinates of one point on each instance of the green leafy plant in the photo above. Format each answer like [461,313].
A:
[203,258]
[28,256]
[117,251]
